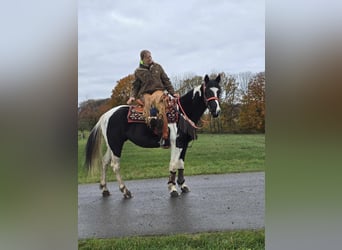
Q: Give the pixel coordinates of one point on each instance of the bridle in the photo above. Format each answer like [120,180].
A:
[206,100]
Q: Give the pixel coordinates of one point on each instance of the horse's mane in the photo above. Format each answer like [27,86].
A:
[190,94]
[193,110]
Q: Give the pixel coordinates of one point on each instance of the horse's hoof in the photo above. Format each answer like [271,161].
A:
[174,193]
[127,195]
[105,193]
[185,189]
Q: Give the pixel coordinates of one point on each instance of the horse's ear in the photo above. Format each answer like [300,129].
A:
[218,78]
[206,79]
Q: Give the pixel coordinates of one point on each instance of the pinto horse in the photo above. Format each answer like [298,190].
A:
[116,129]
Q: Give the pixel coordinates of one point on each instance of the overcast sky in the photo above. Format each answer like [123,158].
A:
[192,36]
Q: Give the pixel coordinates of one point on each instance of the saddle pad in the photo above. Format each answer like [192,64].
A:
[135,113]
[172,112]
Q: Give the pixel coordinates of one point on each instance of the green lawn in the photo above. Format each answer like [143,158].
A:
[210,154]
[237,240]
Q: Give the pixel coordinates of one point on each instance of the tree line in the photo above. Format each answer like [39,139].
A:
[242,102]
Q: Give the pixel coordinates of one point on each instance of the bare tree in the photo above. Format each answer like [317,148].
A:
[242,80]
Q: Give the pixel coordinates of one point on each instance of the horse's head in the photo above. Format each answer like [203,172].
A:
[211,92]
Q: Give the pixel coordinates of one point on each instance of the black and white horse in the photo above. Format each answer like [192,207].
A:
[116,129]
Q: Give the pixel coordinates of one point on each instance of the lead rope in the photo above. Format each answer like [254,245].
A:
[185,116]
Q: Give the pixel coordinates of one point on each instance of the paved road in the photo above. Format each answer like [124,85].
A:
[215,203]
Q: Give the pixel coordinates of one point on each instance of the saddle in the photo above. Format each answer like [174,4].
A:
[135,112]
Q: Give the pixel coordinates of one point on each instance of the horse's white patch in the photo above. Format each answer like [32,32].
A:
[197,90]
[172,188]
[215,91]
[115,163]
[175,153]
[173,132]
[218,108]
[104,119]
[180,164]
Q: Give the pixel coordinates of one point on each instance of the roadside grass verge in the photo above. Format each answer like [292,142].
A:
[210,154]
[233,240]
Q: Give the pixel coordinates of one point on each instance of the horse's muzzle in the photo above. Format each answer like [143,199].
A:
[216,113]
[214,108]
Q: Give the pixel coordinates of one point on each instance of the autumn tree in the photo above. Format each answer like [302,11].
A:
[122,91]
[242,102]
[229,103]
[90,111]
[252,117]
[189,83]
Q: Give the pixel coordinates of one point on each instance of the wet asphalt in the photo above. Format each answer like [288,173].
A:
[215,203]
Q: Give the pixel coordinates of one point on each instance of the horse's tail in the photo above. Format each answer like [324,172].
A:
[93,147]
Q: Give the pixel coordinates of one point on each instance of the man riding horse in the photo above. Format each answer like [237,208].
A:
[151,85]
[115,127]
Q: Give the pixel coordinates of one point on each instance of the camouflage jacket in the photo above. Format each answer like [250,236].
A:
[149,79]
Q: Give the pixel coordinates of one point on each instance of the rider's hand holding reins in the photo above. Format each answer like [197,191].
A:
[130,100]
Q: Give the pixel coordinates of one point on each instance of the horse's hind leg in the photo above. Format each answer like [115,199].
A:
[116,168]
[103,184]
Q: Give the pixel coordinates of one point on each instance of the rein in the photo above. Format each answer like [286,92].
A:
[206,100]
[185,116]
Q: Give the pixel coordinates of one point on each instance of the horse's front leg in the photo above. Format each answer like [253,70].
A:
[177,164]
[180,178]
[175,153]
[172,184]
[116,168]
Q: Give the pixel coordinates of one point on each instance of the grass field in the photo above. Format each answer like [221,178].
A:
[210,154]
[239,240]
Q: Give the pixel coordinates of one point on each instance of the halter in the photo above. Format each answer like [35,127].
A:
[206,100]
